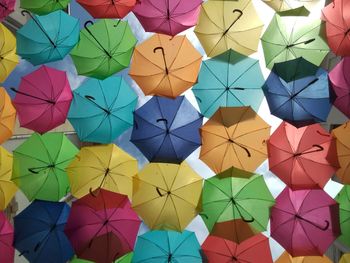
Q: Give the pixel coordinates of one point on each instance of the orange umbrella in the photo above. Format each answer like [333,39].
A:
[286,258]
[234,136]
[165,66]
[7,116]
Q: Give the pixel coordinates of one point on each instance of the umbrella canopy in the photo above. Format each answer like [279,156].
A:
[101,110]
[102,226]
[6,8]
[298,92]
[167,130]
[236,194]
[286,5]
[305,222]
[225,25]
[166,196]
[7,188]
[167,246]
[7,251]
[124,259]
[102,166]
[47,38]
[39,232]
[282,42]
[286,258]
[295,154]
[43,99]
[108,9]
[229,79]
[104,48]
[40,174]
[234,136]
[345,258]
[343,198]
[44,7]
[165,66]
[169,17]
[7,116]
[252,250]
[8,57]
[236,230]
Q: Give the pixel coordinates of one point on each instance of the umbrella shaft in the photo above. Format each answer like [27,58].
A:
[99,43]
[43,30]
[308,85]
[239,16]
[304,42]
[31,96]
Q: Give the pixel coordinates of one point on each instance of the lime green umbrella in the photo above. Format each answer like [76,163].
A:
[104,49]
[236,194]
[44,7]
[343,198]
[39,166]
[124,259]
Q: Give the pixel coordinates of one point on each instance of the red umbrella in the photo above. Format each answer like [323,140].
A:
[305,222]
[43,99]
[6,8]
[254,249]
[295,154]
[7,252]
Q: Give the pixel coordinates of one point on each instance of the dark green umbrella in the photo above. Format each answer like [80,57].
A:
[343,198]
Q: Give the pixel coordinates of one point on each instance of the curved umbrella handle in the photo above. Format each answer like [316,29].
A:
[32,170]
[163,119]
[158,191]
[163,54]
[94,194]
[89,22]
[240,12]
[243,147]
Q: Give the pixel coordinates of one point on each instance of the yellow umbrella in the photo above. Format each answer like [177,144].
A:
[345,258]
[225,25]
[7,116]
[8,57]
[102,166]
[7,188]
[166,196]
[286,258]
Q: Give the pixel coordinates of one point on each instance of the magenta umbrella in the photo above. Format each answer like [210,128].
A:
[6,8]
[305,222]
[43,99]
[168,17]
[7,252]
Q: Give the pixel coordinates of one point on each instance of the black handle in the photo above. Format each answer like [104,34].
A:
[164,60]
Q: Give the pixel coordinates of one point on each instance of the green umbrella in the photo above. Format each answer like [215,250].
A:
[104,49]
[282,43]
[124,259]
[343,198]
[44,7]
[39,166]
[236,194]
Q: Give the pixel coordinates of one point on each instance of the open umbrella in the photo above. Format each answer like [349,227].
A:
[124,259]
[43,99]
[166,196]
[7,251]
[229,79]
[167,130]
[47,38]
[343,198]
[295,154]
[236,230]
[8,57]
[39,166]
[168,17]
[102,225]
[167,246]
[44,7]
[305,222]
[298,92]
[101,110]
[104,48]
[234,136]
[225,25]
[165,66]
[286,258]
[345,258]
[7,188]
[101,166]
[7,116]
[39,235]
[108,9]
[6,8]
[287,5]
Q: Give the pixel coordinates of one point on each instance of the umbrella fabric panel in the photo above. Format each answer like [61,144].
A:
[7,116]
[9,58]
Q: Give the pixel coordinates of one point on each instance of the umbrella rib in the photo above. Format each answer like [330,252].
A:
[178,52]
[29,156]
[177,214]
[216,146]
[306,33]
[239,161]
[211,20]
[245,71]
[213,74]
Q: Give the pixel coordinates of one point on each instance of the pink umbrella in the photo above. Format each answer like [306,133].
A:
[7,252]
[305,222]
[6,8]
[43,99]
[168,17]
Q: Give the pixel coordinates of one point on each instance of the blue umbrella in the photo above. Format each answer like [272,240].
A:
[297,92]
[47,38]
[167,130]
[39,234]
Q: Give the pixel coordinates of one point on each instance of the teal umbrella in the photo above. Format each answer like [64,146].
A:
[229,80]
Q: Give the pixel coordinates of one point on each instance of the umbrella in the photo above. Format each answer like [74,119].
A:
[102,225]
[343,198]
[44,7]
[229,79]
[124,259]
[7,116]
[104,48]
[102,166]
[39,164]
[7,188]
[166,196]
[7,252]
[286,258]
[108,9]
[236,194]
[8,57]
[165,66]
[234,136]
[298,92]
[39,232]
[168,17]
[6,8]
[47,38]
[167,246]
[101,110]
[286,5]
[295,154]
[167,130]
[225,25]
[345,258]
[305,222]
[43,99]
[236,230]
[304,39]
[254,249]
